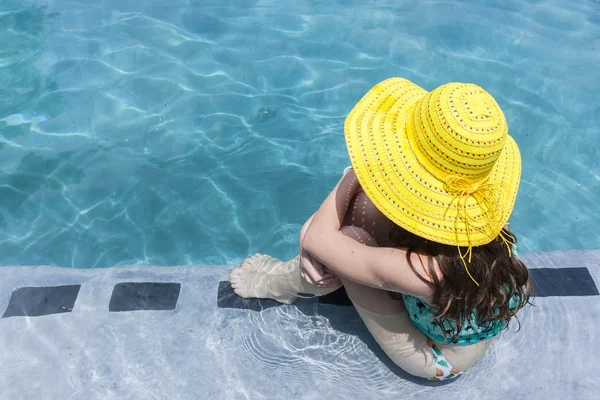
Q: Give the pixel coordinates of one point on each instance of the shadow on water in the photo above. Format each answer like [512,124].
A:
[23,39]
[35,172]
[338,317]
[337,308]
[29,19]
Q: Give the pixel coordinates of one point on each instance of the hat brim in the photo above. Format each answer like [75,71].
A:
[401,188]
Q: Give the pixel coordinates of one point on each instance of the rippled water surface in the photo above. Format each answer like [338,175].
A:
[175,132]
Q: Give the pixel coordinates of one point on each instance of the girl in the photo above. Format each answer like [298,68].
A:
[416,229]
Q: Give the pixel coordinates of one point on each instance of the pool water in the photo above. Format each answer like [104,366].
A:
[199,132]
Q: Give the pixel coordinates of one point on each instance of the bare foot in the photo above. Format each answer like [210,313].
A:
[267,264]
[264,277]
[262,285]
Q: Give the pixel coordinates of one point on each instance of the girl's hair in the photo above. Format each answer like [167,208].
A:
[457,297]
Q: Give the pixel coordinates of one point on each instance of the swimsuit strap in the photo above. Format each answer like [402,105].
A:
[443,369]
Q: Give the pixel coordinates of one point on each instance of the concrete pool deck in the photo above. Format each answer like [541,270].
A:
[141,332]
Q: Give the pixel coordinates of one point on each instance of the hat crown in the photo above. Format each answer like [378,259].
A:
[441,164]
[457,130]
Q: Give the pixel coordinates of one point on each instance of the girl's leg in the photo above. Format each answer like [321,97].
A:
[389,323]
[387,320]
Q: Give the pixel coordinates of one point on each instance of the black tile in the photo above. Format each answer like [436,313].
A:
[563,282]
[226,298]
[548,282]
[337,298]
[134,296]
[37,301]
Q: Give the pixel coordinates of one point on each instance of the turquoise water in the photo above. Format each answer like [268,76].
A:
[176,132]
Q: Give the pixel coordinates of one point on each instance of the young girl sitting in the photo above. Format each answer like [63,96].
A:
[416,230]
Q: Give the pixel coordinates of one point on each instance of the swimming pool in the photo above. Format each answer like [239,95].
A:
[199,132]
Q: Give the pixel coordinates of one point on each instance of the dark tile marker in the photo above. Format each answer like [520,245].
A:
[337,298]
[134,296]
[563,282]
[226,298]
[38,301]
[549,282]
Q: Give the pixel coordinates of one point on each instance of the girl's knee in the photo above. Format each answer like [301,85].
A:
[418,365]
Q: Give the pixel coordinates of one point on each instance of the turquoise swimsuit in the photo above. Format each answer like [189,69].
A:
[422,316]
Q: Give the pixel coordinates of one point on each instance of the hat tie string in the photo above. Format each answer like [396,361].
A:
[490,198]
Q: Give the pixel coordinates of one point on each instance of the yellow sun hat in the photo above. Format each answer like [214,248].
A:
[439,164]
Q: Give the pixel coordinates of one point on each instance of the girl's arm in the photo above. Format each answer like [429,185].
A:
[378,267]
[312,270]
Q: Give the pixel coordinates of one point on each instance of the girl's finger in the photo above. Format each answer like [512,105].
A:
[308,278]
[314,275]
[331,284]
[317,265]
[326,276]
[327,281]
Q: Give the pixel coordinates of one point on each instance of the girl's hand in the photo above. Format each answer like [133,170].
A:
[311,270]
[316,273]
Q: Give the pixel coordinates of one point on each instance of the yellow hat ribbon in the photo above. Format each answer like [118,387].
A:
[490,197]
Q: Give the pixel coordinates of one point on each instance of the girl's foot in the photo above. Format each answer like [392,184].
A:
[264,277]
[267,264]
[262,285]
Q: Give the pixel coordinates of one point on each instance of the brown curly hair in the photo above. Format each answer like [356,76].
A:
[498,274]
